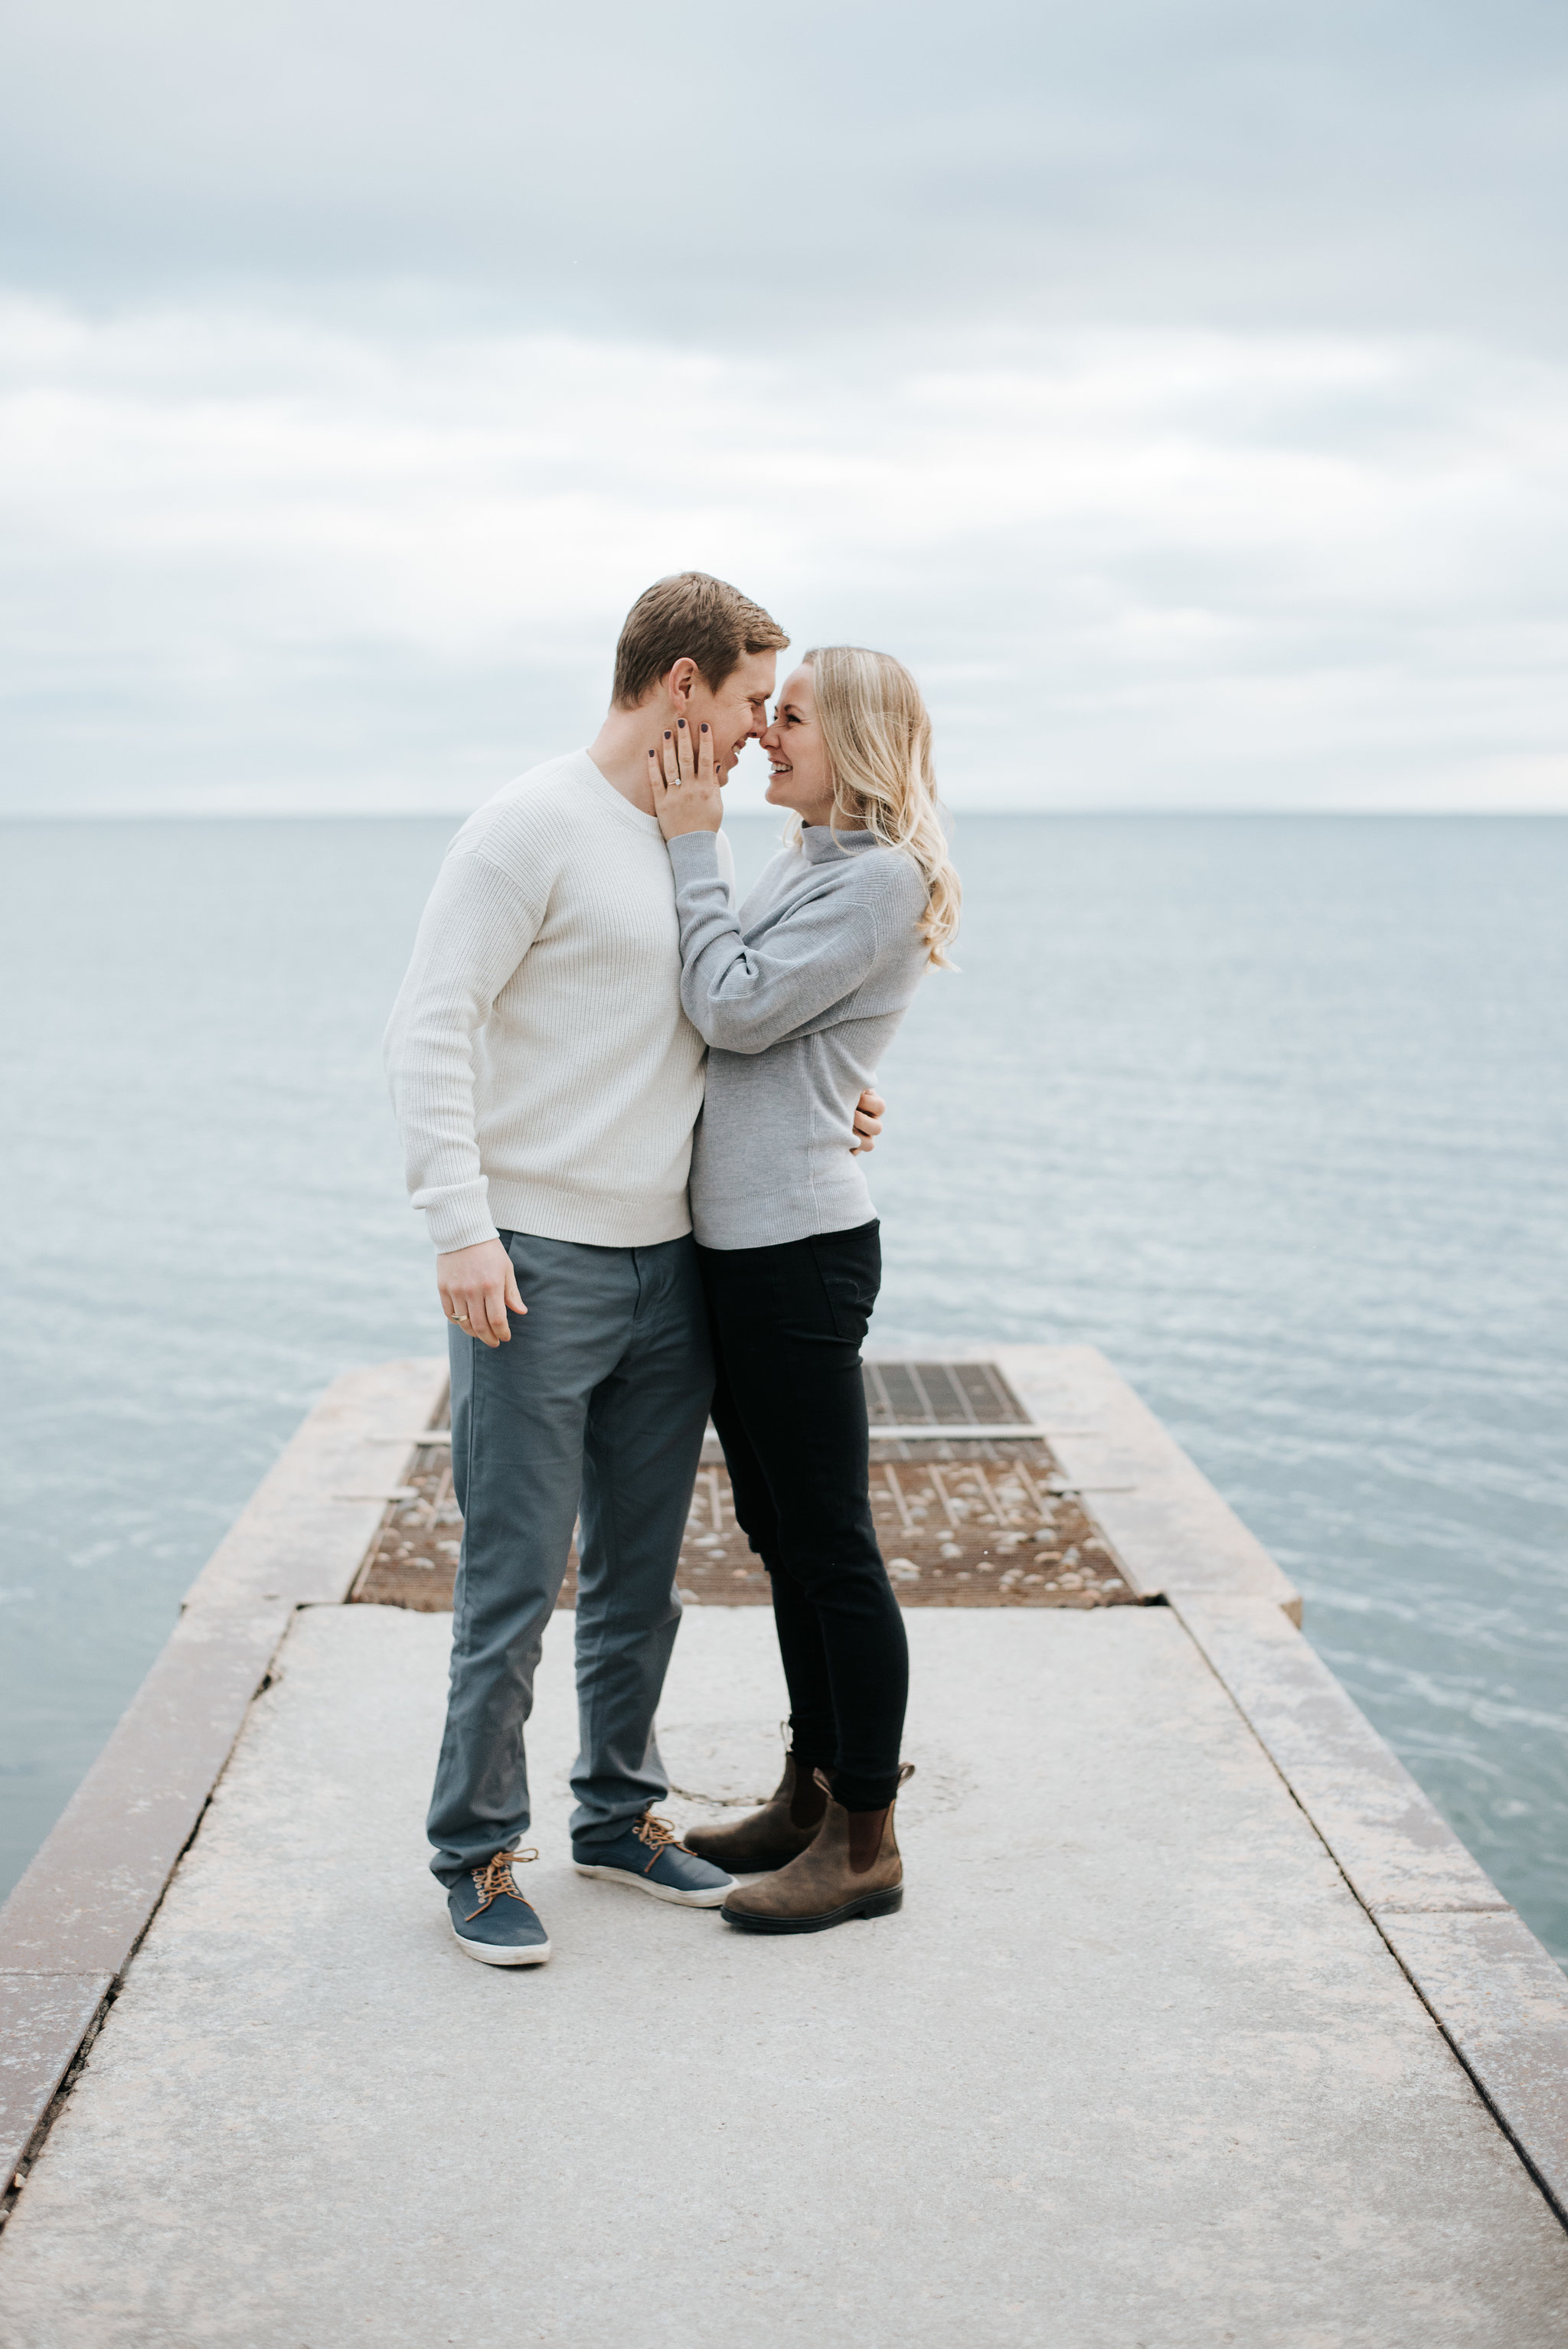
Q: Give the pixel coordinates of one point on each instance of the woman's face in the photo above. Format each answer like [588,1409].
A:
[800,776]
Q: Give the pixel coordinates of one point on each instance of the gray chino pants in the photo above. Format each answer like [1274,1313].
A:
[597,1407]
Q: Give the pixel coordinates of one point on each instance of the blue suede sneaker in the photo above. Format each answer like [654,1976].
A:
[648,1858]
[490,1917]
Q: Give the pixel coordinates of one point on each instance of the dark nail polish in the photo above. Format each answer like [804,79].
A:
[681,723]
[705,730]
[667,734]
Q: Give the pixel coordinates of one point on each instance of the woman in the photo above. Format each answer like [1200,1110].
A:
[798,996]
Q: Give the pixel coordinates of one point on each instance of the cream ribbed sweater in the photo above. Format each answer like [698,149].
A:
[545,1076]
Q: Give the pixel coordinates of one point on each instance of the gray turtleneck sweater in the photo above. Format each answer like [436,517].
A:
[797,995]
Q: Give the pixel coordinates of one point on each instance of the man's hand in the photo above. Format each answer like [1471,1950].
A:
[476,1285]
[687,791]
[869,1119]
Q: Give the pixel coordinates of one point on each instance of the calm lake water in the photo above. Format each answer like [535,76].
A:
[1274,1110]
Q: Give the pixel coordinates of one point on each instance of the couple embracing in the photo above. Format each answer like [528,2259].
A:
[633,1115]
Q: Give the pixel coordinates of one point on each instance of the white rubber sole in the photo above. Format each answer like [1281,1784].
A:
[713,1899]
[535,1956]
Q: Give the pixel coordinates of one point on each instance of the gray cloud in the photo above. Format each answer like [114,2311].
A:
[1396,167]
[265,562]
[1181,387]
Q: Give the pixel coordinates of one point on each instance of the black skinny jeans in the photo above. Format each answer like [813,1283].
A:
[790,1410]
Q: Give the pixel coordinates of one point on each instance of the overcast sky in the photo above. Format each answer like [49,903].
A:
[1182,389]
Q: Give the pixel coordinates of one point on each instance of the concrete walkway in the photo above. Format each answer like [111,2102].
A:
[1132,2068]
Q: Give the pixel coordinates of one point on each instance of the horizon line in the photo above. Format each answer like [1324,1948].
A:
[746,815]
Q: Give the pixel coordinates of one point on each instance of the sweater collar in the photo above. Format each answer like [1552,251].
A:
[819,844]
[605,792]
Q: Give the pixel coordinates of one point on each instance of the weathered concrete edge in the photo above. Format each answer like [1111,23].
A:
[43,2020]
[77,1917]
[1497,1995]
[1500,2001]
[1395,1847]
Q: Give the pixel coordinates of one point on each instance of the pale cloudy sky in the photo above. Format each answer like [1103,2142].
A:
[1182,388]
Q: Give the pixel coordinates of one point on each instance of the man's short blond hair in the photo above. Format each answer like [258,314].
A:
[690,617]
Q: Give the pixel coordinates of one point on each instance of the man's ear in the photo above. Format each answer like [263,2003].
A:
[679,683]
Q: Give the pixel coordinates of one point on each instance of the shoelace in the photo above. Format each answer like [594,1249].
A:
[495,1878]
[658,1835]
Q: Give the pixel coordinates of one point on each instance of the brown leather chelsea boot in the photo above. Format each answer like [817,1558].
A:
[785,1827]
[851,1869]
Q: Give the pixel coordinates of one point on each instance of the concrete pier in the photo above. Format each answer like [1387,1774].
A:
[1197,2025]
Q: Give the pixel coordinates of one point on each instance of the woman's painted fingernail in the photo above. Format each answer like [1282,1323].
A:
[681,723]
[705,727]
[667,734]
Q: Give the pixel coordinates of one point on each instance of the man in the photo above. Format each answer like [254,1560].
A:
[546,1082]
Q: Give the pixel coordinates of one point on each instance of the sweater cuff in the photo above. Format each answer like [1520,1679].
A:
[459,1217]
[695,856]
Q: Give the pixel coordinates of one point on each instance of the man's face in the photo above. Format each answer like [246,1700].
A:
[738,712]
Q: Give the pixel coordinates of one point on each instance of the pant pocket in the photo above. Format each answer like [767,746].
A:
[849,1265]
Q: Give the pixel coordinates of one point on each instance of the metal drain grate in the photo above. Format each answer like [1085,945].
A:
[970,1518]
[947,1395]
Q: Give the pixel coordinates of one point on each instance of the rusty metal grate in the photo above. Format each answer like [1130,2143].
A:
[966,1520]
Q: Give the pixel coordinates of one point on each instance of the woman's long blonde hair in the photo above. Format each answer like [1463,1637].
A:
[878,734]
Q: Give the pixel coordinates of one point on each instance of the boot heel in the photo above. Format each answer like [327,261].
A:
[884,1904]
